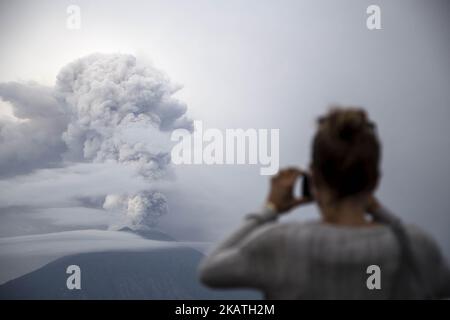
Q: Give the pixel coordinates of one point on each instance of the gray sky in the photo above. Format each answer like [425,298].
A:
[250,64]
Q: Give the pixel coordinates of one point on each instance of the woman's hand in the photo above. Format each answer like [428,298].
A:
[281,195]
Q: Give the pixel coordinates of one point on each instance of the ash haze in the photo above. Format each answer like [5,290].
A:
[84,147]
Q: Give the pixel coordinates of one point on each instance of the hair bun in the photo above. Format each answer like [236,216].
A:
[347,124]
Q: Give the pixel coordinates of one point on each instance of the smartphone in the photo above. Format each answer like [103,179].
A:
[306,187]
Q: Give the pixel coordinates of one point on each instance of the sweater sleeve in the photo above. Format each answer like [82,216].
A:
[435,265]
[234,263]
[438,281]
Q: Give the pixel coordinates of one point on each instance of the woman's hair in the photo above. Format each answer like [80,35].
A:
[346,152]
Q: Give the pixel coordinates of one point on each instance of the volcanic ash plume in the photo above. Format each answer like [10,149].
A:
[103,108]
[119,111]
[142,209]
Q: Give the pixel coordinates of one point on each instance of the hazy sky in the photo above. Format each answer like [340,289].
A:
[247,64]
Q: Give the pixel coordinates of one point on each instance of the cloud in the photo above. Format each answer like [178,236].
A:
[80,183]
[104,108]
[34,138]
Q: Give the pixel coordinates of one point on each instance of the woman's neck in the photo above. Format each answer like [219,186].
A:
[345,212]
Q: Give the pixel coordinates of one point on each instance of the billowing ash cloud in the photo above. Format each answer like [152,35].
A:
[143,208]
[103,108]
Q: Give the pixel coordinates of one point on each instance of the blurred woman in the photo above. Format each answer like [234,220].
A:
[332,258]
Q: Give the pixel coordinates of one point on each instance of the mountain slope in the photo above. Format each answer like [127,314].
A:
[163,273]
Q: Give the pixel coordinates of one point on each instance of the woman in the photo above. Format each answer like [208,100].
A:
[332,258]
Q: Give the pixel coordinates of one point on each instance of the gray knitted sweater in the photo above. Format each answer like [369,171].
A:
[317,260]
